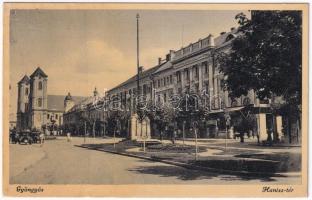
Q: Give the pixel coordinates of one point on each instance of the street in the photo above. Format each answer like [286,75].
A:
[60,162]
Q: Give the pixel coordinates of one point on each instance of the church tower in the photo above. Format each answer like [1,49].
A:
[38,98]
[22,103]
[68,102]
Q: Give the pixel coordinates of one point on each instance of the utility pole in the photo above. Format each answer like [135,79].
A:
[138,56]
[183,132]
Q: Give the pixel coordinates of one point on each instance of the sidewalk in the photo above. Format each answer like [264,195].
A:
[212,157]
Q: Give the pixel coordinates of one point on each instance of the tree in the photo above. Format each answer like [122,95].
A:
[266,57]
[163,115]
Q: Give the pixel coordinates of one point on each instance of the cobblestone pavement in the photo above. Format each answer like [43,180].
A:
[60,162]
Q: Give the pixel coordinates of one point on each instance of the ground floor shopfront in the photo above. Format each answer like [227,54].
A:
[260,123]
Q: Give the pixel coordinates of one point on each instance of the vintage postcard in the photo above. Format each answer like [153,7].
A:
[155,100]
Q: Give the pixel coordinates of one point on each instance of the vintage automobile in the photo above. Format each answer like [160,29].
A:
[35,136]
[25,137]
[14,137]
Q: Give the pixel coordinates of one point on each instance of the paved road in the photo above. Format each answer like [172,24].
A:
[60,162]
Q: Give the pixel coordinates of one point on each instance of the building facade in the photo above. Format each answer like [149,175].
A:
[192,69]
[36,109]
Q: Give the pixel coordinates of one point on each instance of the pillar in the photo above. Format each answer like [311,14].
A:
[279,126]
[210,78]
[200,76]
[262,128]
[182,79]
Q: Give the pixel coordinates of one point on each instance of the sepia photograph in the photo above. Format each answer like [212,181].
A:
[155,100]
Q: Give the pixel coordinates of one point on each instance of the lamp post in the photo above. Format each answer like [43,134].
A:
[138,55]
[195,124]
[85,131]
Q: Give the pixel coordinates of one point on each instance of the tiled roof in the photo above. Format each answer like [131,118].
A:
[56,102]
[144,74]
[164,66]
[221,40]
[38,72]
[83,103]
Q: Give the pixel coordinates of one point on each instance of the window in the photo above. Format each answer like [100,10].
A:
[187,75]
[229,37]
[140,90]
[196,75]
[196,88]
[158,83]
[207,87]
[144,89]
[234,103]
[39,102]
[165,81]
[56,116]
[187,89]
[170,79]
[206,68]
[165,97]
[246,101]
[178,77]
[40,85]
[179,90]
[48,116]
[26,91]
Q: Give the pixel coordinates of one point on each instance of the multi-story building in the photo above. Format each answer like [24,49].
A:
[195,68]
[35,108]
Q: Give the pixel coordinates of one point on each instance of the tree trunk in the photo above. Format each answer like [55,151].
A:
[289,129]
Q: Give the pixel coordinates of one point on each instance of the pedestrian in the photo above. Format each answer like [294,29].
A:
[68,137]
[242,137]
[173,136]
[41,136]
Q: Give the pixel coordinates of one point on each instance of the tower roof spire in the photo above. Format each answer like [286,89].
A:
[38,72]
[25,79]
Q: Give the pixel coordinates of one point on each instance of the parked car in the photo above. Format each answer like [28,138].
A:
[25,137]
[14,137]
[35,136]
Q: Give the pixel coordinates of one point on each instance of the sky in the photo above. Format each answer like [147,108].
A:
[83,49]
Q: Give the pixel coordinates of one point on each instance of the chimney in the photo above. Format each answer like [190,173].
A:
[211,40]
[168,57]
[141,68]
[159,60]
[172,54]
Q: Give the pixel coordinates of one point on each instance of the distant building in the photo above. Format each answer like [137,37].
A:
[84,116]
[35,108]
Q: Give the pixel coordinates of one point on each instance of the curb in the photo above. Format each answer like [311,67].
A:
[192,166]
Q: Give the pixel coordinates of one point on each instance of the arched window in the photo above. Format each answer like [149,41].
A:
[40,85]
[229,37]
[246,101]
[234,103]
[39,102]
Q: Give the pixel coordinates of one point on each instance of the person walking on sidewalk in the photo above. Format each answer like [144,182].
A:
[41,137]
[68,137]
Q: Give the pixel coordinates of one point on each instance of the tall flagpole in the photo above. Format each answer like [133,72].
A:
[138,61]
